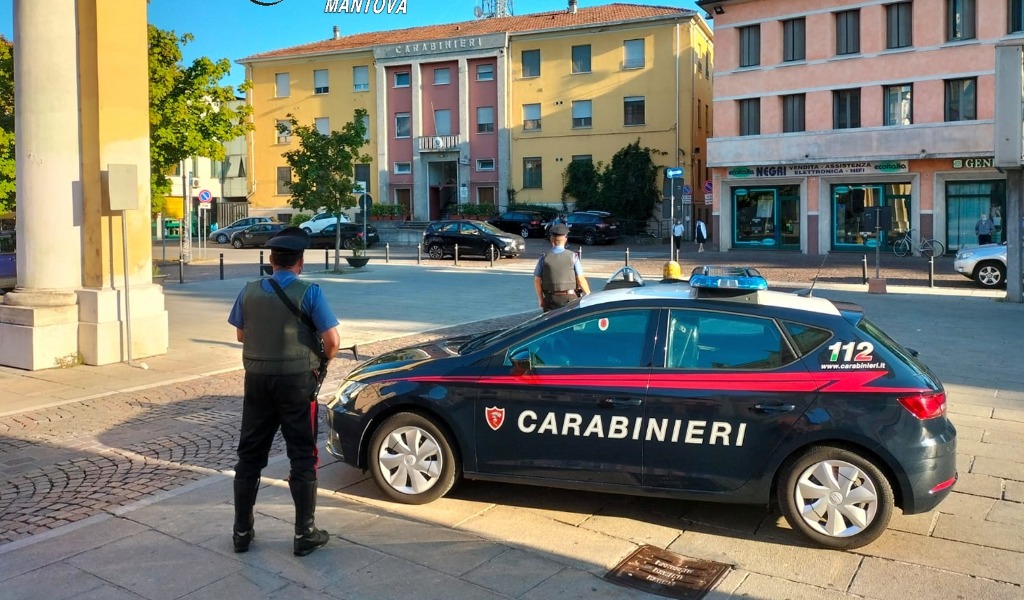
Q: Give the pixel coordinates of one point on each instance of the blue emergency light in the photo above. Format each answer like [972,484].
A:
[727,278]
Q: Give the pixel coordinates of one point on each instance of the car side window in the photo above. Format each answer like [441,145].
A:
[469,229]
[708,340]
[449,228]
[7,244]
[570,220]
[806,337]
[616,339]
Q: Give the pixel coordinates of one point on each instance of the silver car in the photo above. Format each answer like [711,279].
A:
[985,264]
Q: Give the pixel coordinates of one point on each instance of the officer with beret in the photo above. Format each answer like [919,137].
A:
[288,334]
[558,273]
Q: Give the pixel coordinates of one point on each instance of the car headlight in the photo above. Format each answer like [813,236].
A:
[507,241]
[345,395]
[960,255]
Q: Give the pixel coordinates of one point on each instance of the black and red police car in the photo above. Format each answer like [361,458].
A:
[701,391]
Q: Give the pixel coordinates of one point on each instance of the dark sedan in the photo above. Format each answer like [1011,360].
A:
[325,238]
[256,235]
[524,223]
[477,238]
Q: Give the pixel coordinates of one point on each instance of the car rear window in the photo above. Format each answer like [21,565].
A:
[891,349]
[806,337]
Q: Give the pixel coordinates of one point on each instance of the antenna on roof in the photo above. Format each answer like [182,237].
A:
[809,292]
[493,8]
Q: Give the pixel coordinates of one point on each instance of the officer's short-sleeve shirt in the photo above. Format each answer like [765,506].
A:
[313,303]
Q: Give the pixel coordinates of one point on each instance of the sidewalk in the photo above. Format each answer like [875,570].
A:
[502,541]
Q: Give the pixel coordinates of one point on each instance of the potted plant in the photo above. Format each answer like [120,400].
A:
[158,277]
[358,258]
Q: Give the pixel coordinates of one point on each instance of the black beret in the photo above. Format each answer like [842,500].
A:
[558,229]
[289,239]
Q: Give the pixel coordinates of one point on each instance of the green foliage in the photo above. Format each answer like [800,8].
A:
[189,113]
[298,219]
[386,210]
[627,187]
[476,210]
[7,168]
[582,184]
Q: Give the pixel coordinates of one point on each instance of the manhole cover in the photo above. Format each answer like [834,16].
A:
[210,416]
[665,573]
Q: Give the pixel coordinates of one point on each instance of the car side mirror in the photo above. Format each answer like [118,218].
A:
[522,362]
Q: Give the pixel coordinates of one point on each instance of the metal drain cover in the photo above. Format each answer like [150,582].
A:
[658,571]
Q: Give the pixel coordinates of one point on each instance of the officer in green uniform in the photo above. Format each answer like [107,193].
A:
[288,334]
[559,273]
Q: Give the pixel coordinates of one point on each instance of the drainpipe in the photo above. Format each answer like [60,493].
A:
[251,171]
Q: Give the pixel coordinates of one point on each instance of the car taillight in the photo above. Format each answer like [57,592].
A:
[925,406]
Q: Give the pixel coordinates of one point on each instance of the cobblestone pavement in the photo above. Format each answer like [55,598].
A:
[61,465]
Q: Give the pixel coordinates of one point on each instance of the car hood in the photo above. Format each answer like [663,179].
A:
[984,251]
[404,358]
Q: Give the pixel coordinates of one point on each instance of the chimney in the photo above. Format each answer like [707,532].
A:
[337,32]
[572,7]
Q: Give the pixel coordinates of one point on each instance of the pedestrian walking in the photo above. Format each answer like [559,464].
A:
[677,236]
[559,273]
[289,334]
[701,234]
[984,229]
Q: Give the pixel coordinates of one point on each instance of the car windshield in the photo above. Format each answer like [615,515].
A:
[492,337]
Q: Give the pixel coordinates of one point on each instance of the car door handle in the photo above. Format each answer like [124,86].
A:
[618,402]
[774,409]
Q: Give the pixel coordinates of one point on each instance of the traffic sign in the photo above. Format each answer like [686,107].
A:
[709,187]
[673,172]
[205,196]
[687,189]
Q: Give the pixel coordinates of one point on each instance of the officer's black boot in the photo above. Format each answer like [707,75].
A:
[245,498]
[307,537]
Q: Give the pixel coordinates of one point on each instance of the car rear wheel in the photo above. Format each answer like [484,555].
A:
[347,243]
[524,232]
[990,274]
[237,243]
[435,251]
[411,459]
[589,238]
[222,239]
[307,230]
[835,497]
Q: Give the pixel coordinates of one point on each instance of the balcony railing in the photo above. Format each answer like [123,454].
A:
[438,143]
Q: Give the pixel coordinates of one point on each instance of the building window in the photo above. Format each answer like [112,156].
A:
[531,117]
[633,54]
[443,122]
[284,180]
[634,112]
[848,32]
[403,168]
[846,109]
[960,18]
[361,79]
[282,85]
[750,46]
[402,79]
[321,85]
[582,158]
[442,76]
[899,25]
[532,173]
[403,126]
[283,129]
[362,175]
[485,119]
[366,127]
[793,113]
[485,164]
[750,116]
[897,105]
[961,99]
[1016,16]
[216,169]
[485,72]
[794,39]
[581,59]
[323,125]
[582,116]
[531,63]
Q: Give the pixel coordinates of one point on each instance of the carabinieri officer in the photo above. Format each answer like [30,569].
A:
[288,334]
[558,273]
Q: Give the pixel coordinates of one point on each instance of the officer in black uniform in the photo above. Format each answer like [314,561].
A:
[288,334]
[559,273]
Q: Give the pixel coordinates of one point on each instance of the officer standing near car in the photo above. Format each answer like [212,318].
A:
[559,273]
[288,334]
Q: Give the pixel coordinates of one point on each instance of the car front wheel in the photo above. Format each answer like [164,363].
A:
[411,459]
[222,239]
[237,243]
[990,275]
[435,251]
[835,497]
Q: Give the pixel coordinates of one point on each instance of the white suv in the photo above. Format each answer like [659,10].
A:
[986,264]
[321,220]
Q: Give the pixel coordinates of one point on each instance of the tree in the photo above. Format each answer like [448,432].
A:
[7,167]
[582,183]
[323,168]
[189,113]
[629,186]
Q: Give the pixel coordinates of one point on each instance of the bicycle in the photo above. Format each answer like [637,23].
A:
[927,247]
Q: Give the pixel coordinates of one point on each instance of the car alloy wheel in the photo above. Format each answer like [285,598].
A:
[435,251]
[411,459]
[835,497]
[589,238]
[237,243]
[347,243]
[222,239]
[524,232]
[990,275]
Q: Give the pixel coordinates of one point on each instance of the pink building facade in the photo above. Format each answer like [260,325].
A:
[826,109]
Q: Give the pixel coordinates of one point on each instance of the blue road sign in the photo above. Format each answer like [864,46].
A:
[673,172]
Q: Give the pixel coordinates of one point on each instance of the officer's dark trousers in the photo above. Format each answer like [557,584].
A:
[553,301]
[273,401]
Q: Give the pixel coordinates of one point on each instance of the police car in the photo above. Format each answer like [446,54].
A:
[715,390]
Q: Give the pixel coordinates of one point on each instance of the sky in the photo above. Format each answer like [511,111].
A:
[234,29]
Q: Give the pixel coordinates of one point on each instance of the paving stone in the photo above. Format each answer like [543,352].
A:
[979,485]
[877,579]
[1009,513]
[573,583]
[965,505]
[974,410]
[246,584]
[979,448]
[1015,491]
[378,581]
[959,557]
[1008,414]
[513,572]
[54,582]
[756,585]
[980,532]
[1003,469]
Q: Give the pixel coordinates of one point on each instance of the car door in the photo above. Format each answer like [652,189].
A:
[727,390]
[471,239]
[575,414]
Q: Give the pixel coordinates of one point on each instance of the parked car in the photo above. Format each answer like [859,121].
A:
[325,238]
[525,223]
[986,264]
[223,234]
[321,220]
[256,235]
[476,238]
[8,260]
[592,227]
[708,391]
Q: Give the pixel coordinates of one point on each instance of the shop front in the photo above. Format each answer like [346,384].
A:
[766,217]
[854,207]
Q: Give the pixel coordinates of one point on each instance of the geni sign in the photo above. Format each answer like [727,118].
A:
[973,163]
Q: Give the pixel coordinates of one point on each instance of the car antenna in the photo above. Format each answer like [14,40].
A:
[809,292]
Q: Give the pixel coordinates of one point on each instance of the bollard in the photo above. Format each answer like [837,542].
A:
[419,253]
[864,268]
[222,266]
[931,271]
[327,259]
[627,256]
[490,255]
[387,252]
[456,255]
[261,263]
[181,269]
[580,253]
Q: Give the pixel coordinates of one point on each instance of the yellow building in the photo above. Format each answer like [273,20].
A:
[464,113]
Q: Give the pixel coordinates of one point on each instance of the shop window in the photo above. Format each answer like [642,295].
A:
[851,229]
[766,217]
[968,200]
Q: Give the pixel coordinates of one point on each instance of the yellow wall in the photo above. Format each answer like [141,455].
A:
[338,105]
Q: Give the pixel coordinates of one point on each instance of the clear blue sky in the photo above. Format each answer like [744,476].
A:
[233,29]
